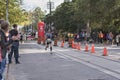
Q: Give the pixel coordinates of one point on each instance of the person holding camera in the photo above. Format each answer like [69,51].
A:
[15,45]
[4,44]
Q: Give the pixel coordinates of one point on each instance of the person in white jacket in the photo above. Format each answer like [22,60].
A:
[117,39]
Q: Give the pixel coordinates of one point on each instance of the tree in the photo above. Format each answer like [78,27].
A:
[16,13]
[37,15]
[82,14]
[62,17]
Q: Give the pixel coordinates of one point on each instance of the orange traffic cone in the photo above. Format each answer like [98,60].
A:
[86,48]
[78,46]
[73,44]
[62,44]
[105,51]
[92,49]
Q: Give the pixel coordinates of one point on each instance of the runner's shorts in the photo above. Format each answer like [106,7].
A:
[49,41]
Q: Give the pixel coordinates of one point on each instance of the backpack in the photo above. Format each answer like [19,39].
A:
[48,35]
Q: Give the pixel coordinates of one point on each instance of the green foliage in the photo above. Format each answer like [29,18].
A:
[62,17]
[14,11]
[19,15]
[37,15]
[100,14]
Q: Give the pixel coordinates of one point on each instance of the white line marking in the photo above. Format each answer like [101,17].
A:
[93,66]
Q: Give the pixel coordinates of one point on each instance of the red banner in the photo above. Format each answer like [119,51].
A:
[41,29]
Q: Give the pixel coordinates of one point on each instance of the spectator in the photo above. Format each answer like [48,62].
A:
[21,38]
[15,45]
[117,39]
[110,37]
[101,35]
[3,45]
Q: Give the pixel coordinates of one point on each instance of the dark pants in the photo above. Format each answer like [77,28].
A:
[101,40]
[15,50]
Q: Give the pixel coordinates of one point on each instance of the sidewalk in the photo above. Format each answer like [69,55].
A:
[9,69]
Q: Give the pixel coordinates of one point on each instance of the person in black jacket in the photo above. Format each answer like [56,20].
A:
[15,45]
[4,44]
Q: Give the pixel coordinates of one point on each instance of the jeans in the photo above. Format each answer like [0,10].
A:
[2,67]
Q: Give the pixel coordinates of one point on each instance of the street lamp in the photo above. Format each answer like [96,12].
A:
[50,6]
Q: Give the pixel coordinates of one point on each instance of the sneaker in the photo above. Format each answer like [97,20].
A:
[2,79]
[10,62]
[50,48]
[45,48]
[18,62]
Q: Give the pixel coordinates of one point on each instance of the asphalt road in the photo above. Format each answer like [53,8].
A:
[63,64]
